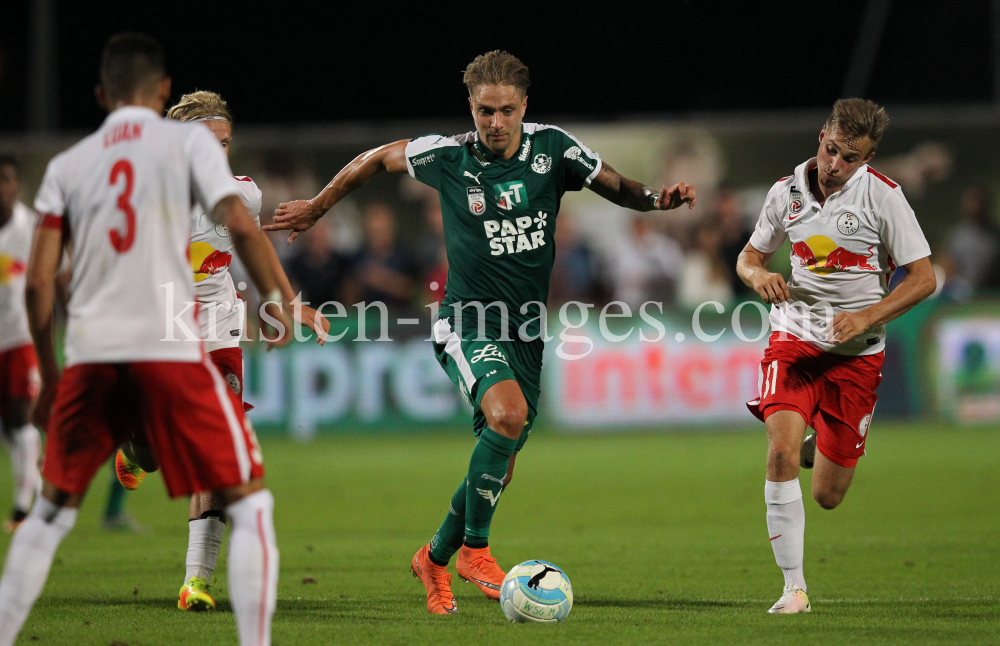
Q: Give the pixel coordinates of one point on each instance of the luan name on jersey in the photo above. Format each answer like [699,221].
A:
[500,214]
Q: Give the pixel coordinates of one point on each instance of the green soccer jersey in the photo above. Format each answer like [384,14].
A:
[500,215]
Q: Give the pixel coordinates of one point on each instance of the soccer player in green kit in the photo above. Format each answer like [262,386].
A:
[500,189]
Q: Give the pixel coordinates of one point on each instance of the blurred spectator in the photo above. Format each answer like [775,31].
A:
[431,254]
[320,273]
[573,269]
[647,268]
[705,275]
[734,235]
[972,261]
[928,163]
[384,271]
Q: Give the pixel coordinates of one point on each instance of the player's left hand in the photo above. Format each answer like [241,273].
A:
[276,324]
[671,198]
[310,318]
[848,325]
[42,406]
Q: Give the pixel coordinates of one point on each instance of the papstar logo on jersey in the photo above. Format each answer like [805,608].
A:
[511,194]
[514,236]
[477,199]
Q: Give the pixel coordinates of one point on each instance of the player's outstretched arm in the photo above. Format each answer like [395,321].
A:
[632,195]
[920,282]
[300,215]
[301,313]
[252,247]
[40,294]
[751,267]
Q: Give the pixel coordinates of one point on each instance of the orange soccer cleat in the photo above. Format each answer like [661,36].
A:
[129,473]
[477,566]
[440,600]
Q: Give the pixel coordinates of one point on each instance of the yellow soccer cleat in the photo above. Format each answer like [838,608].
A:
[194,596]
[129,473]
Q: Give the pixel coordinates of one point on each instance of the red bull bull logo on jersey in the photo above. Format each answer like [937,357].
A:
[10,269]
[821,255]
[206,261]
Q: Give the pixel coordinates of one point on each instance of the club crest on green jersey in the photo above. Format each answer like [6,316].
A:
[477,199]
[541,164]
[511,195]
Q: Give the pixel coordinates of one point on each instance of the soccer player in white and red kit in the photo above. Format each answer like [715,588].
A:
[122,197]
[18,365]
[850,228]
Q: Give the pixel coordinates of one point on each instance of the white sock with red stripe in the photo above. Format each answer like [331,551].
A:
[25,446]
[28,562]
[253,567]
[204,543]
[786,526]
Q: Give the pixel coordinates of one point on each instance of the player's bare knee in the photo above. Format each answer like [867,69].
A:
[828,498]
[508,418]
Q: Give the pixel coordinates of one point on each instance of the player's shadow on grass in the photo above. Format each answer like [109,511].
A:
[656,603]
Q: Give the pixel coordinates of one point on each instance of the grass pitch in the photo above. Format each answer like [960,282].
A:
[662,535]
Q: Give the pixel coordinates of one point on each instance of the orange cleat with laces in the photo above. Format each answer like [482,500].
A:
[477,566]
[440,600]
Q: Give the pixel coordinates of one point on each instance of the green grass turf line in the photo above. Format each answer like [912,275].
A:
[663,537]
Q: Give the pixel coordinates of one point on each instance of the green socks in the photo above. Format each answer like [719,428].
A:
[449,537]
[487,469]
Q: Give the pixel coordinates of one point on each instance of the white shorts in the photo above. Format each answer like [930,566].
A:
[222,325]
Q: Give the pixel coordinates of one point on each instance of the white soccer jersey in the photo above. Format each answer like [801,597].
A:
[843,252]
[127,191]
[15,246]
[221,313]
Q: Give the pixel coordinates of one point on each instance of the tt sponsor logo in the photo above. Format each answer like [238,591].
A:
[511,195]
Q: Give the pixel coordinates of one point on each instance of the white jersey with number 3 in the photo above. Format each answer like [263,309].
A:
[127,192]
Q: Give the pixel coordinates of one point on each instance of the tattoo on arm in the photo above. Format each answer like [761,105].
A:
[621,190]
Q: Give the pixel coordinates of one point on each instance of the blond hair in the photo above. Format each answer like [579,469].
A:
[201,104]
[858,118]
[496,68]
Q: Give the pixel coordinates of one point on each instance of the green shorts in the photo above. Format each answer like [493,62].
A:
[475,364]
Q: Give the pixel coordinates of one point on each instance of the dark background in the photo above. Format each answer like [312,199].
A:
[276,63]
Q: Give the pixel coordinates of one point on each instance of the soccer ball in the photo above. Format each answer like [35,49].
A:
[536,591]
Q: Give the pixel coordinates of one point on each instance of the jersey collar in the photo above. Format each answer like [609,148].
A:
[131,112]
[485,153]
[802,180]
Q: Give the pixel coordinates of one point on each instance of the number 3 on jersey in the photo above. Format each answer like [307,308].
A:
[122,242]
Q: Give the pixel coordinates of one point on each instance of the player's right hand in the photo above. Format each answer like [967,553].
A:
[297,216]
[771,287]
[276,325]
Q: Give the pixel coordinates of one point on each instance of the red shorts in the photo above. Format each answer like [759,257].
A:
[229,361]
[834,394]
[182,410]
[18,375]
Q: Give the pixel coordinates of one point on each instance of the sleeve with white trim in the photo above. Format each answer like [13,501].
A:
[579,164]
[899,229]
[424,158]
[211,178]
[769,234]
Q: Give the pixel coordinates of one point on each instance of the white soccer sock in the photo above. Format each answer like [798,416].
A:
[253,567]
[786,526]
[28,561]
[204,542]
[25,447]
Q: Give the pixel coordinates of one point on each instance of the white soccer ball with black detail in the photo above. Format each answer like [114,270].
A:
[536,591]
